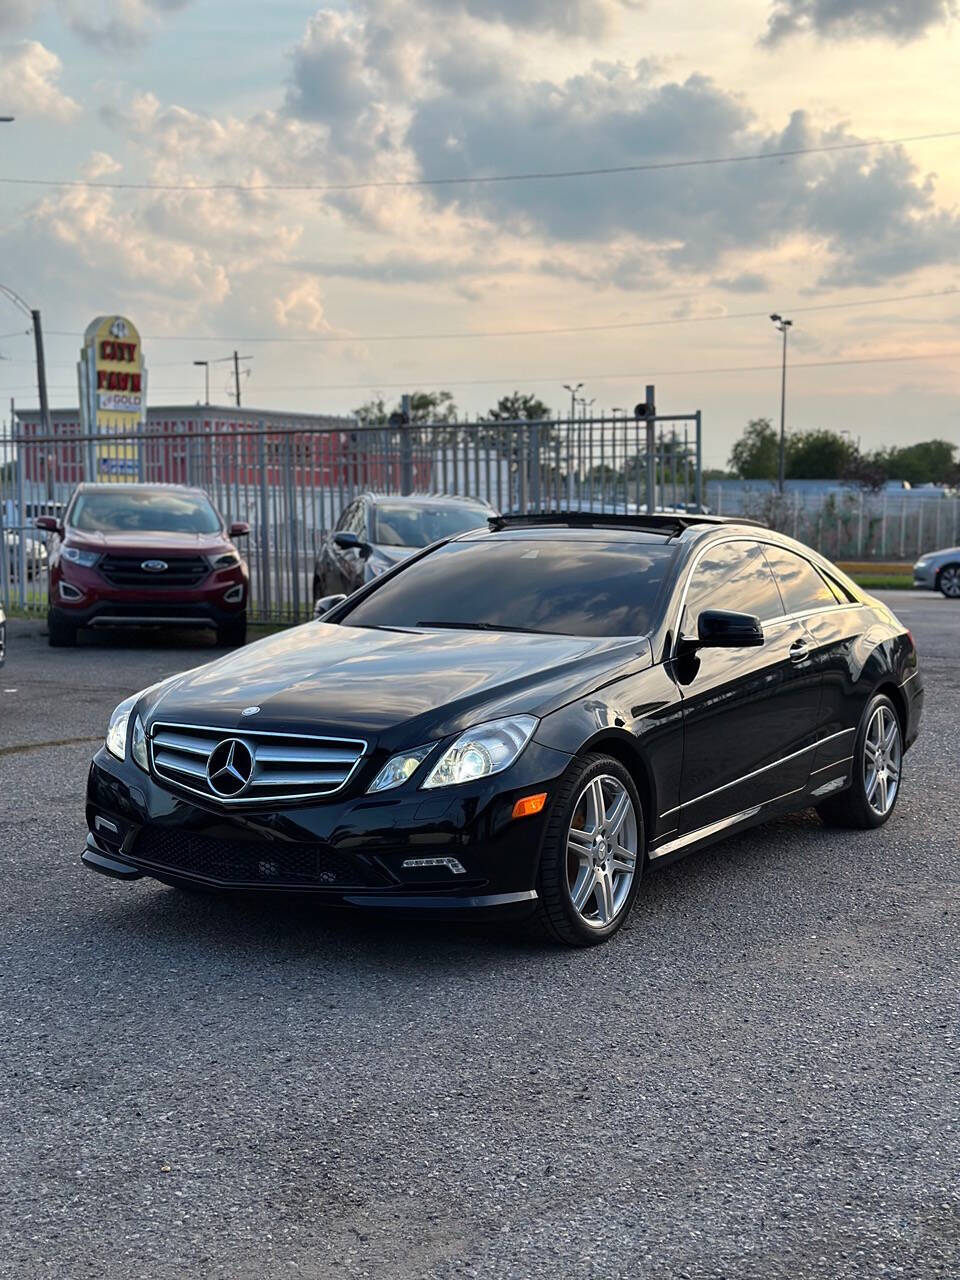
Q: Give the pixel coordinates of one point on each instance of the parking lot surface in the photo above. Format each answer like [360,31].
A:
[756,1079]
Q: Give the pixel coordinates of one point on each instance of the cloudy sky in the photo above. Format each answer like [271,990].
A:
[665,275]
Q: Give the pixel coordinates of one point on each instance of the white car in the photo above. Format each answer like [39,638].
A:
[939,571]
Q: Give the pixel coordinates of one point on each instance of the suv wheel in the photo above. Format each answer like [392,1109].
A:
[232,634]
[592,856]
[61,633]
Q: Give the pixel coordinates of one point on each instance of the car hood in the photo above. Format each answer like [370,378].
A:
[946,554]
[147,542]
[408,686]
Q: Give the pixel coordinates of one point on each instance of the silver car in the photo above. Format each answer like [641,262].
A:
[939,571]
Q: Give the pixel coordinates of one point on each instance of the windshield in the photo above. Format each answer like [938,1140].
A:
[143,511]
[579,588]
[401,524]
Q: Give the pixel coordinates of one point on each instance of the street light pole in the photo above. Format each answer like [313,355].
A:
[573,397]
[38,344]
[783,326]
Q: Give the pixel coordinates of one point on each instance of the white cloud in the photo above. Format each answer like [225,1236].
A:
[28,82]
[116,25]
[899,20]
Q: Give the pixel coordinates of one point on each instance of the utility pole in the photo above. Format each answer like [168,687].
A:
[236,375]
[19,303]
[206,378]
[41,373]
[783,326]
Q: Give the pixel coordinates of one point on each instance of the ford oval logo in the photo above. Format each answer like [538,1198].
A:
[154,566]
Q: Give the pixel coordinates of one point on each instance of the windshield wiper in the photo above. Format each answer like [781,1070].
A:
[488,626]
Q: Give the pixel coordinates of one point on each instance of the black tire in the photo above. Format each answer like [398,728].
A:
[232,634]
[852,808]
[948,580]
[556,918]
[61,634]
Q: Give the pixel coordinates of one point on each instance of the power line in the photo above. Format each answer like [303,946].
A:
[520,379]
[486,179]
[543,332]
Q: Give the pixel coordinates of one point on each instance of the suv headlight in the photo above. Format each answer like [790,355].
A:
[225,561]
[479,752]
[86,559]
[118,731]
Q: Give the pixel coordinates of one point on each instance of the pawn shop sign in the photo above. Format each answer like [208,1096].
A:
[112,376]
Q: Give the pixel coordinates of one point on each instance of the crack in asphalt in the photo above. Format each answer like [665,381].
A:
[43,746]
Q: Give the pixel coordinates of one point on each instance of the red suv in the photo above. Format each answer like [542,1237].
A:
[144,555]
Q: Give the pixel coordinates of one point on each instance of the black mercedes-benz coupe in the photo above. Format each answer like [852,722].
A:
[516,721]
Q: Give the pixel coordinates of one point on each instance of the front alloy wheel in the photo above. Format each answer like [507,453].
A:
[601,851]
[948,581]
[592,855]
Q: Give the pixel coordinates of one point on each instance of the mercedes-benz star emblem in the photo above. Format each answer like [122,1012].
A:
[154,566]
[230,768]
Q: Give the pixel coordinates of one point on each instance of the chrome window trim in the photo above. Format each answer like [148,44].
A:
[764,622]
[163,780]
[756,772]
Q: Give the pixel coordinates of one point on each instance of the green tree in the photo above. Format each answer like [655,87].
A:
[929,462]
[756,454]
[425,406]
[519,407]
[819,455]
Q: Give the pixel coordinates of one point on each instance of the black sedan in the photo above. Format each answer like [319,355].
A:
[375,532]
[516,722]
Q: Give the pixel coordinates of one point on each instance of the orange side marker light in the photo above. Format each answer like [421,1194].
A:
[529,805]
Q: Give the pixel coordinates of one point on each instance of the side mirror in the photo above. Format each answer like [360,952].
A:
[326,603]
[351,542]
[721,629]
[239,529]
[48,523]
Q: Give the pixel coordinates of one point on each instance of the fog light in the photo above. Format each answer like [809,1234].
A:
[529,805]
[452,864]
[234,595]
[69,592]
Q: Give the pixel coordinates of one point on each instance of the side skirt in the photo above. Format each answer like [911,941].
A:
[819,786]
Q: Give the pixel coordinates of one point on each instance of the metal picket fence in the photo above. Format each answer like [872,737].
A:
[291,481]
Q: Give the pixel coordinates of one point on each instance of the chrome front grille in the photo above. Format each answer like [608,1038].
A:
[251,767]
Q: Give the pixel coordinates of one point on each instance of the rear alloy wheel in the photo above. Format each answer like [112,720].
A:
[877,764]
[948,581]
[592,855]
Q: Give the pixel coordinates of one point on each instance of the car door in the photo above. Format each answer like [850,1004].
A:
[833,622]
[750,715]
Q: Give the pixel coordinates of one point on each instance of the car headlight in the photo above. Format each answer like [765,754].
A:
[226,561]
[118,728]
[479,752]
[922,562]
[86,559]
[399,768]
[118,732]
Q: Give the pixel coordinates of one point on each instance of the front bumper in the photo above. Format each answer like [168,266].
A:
[925,576]
[349,852]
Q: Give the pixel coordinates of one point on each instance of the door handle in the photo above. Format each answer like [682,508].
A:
[799,650]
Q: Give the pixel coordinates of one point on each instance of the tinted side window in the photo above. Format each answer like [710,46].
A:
[732,576]
[346,515]
[800,584]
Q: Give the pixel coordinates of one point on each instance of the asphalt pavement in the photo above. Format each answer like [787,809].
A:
[757,1080]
